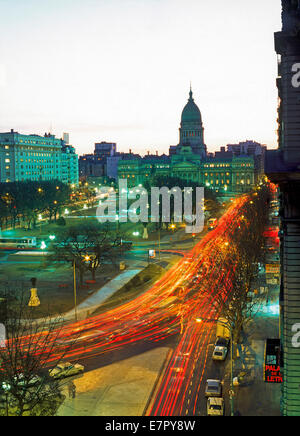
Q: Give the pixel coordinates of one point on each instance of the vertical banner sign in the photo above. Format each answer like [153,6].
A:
[272,361]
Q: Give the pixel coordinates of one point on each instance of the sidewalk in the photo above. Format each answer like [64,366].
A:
[88,306]
[119,389]
[254,397]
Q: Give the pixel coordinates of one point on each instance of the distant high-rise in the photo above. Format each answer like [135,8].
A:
[105,149]
[66,138]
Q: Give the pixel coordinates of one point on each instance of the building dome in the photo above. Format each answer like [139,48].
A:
[191,113]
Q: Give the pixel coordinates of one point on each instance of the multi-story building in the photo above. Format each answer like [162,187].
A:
[251,148]
[283,168]
[91,165]
[34,157]
[105,149]
[103,163]
[225,172]
[95,165]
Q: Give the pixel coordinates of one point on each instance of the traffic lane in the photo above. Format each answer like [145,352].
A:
[214,370]
[96,362]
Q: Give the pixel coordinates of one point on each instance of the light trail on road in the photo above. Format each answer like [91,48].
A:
[175,305]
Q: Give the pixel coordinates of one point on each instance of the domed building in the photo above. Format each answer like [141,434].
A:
[226,172]
[191,130]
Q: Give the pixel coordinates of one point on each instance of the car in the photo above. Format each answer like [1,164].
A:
[66,369]
[220,353]
[213,388]
[222,342]
[21,380]
[215,406]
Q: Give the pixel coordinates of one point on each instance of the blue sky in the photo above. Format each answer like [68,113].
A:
[119,70]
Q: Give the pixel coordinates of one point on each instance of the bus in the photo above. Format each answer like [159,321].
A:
[18,243]
[212,223]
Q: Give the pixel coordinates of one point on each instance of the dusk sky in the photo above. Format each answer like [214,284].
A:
[120,70]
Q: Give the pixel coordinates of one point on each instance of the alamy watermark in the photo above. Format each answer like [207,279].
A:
[2,336]
[296,75]
[296,337]
[159,205]
[296,84]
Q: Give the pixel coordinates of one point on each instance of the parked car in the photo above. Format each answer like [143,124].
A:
[220,353]
[66,369]
[215,406]
[22,381]
[213,388]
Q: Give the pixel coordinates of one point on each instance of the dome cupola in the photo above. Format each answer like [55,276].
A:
[191,130]
[191,113]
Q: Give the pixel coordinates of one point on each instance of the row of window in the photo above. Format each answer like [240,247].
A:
[191,134]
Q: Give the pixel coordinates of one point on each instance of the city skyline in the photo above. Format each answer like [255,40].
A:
[129,93]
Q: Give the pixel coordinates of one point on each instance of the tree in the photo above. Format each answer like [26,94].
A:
[244,251]
[26,388]
[26,200]
[87,246]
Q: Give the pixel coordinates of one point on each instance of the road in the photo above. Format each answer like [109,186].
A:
[177,309]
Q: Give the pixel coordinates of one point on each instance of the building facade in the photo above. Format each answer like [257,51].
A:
[95,165]
[34,157]
[283,168]
[103,163]
[227,173]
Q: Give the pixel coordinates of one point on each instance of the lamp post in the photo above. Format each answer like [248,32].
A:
[6,387]
[75,290]
[118,222]
[159,243]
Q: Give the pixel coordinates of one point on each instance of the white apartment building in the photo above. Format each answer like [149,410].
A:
[34,157]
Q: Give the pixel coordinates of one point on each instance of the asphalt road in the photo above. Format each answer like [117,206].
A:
[179,310]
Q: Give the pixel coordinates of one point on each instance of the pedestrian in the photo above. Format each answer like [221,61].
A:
[72,390]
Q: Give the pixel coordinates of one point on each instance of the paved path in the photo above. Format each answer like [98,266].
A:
[119,389]
[88,306]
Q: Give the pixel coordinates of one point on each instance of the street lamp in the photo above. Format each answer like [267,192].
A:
[75,290]
[6,387]
[117,219]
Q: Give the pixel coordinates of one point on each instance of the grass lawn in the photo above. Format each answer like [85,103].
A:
[54,284]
